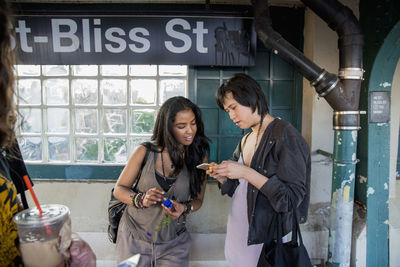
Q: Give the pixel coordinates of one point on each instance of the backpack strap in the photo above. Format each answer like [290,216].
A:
[141,167]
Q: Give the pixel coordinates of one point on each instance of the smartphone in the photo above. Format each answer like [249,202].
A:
[204,166]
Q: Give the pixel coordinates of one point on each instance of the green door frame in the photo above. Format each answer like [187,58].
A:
[374,163]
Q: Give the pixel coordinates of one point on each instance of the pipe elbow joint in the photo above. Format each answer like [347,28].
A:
[325,83]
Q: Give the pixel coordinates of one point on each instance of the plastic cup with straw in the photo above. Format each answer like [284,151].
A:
[29,185]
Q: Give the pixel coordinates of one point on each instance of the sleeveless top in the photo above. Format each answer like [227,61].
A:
[152,224]
[237,252]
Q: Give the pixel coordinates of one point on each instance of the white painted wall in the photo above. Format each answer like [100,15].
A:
[394,130]
[88,205]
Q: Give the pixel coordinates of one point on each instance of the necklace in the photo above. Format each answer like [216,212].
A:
[257,137]
[162,164]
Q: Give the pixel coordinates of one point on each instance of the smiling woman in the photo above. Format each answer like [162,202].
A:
[178,146]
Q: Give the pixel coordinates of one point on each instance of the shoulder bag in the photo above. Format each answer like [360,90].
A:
[291,253]
[116,207]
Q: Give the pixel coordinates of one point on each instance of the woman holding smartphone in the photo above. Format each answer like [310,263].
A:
[270,166]
[148,227]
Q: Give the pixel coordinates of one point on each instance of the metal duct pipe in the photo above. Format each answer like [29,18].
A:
[342,92]
[326,84]
[342,20]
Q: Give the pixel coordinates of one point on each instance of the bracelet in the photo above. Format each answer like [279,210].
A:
[133,196]
[137,200]
[141,201]
[188,208]
[137,197]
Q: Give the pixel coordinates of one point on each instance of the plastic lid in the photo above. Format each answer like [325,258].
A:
[52,213]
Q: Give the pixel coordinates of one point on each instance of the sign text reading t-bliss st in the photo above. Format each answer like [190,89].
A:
[68,36]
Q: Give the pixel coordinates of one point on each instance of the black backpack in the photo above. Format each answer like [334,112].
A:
[116,208]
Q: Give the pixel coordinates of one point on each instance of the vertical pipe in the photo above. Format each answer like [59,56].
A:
[343,180]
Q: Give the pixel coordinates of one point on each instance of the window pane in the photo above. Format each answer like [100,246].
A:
[31,120]
[114,150]
[143,70]
[171,87]
[55,70]
[29,91]
[28,70]
[86,120]
[84,92]
[58,148]
[114,121]
[143,91]
[137,141]
[56,91]
[87,149]
[84,70]
[109,104]
[31,148]
[143,121]
[172,70]
[114,91]
[57,120]
[113,70]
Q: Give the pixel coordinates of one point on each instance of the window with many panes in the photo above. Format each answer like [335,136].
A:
[91,114]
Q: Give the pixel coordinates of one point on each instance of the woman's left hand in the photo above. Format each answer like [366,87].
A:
[229,169]
[176,211]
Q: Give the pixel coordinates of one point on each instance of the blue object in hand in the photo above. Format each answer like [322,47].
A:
[167,203]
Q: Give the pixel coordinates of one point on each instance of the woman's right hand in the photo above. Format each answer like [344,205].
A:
[152,196]
[211,173]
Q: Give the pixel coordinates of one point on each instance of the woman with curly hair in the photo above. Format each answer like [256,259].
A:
[9,254]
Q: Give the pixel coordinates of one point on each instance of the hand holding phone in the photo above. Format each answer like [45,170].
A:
[204,166]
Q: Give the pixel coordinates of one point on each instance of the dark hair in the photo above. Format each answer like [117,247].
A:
[163,137]
[8,112]
[246,91]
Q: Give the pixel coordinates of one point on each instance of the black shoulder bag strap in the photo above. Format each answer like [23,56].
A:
[141,168]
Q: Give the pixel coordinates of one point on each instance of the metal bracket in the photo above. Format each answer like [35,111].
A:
[347,120]
[351,73]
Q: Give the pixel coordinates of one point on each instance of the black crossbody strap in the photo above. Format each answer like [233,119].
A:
[295,223]
[141,168]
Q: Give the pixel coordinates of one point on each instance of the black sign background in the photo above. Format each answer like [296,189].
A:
[379,106]
[229,41]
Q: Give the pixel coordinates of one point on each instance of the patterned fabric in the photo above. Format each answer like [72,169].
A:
[9,254]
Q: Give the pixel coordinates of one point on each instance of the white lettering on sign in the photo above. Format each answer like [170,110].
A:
[187,42]
[23,36]
[378,104]
[68,35]
[199,31]
[88,35]
[133,35]
[110,35]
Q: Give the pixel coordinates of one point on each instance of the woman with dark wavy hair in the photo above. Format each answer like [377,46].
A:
[12,165]
[148,227]
[9,253]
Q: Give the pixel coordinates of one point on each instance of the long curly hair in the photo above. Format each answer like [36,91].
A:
[8,110]
[163,137]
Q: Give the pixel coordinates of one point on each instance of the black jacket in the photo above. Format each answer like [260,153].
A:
[284,157]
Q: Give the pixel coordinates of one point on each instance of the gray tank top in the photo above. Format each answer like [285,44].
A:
[151,224]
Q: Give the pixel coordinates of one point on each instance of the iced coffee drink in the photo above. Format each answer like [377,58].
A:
[44,239]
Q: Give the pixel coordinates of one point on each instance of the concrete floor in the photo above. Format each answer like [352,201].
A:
[208,249]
